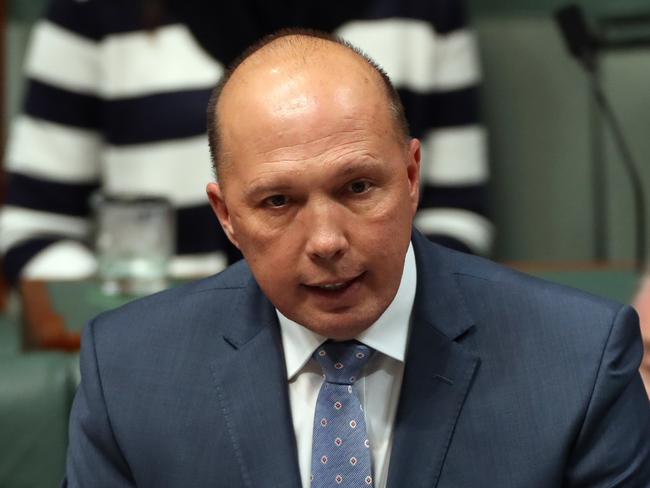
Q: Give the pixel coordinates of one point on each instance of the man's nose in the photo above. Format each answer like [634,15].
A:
[327,237]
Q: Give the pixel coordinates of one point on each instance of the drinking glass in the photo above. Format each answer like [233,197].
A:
[135,241]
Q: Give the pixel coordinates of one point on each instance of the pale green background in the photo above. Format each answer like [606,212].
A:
[536,107]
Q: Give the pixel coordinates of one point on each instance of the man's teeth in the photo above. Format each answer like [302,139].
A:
[334,286]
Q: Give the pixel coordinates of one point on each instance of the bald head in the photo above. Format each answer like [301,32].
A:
[289,72]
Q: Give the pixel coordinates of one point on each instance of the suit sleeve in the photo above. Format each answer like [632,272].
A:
[613,446]
[93,452]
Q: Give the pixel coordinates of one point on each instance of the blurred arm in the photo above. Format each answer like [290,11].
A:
[445,117]
[52,159]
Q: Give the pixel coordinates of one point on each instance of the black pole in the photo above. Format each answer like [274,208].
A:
[600,193]
[584,46]
[630,168]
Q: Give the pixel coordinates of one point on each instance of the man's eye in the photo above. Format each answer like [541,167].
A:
[360,186]
[276,201]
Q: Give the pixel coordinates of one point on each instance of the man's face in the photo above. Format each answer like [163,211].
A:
[319,195]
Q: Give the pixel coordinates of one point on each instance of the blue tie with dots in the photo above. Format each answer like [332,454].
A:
[340,448]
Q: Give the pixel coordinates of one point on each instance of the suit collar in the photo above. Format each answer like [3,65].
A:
[250,377]
[438,373]
[249,315]
[439,299]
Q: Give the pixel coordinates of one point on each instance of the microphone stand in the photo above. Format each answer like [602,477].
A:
[583,45]
[631,169]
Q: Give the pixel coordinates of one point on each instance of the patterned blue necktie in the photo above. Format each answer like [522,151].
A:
[340,449]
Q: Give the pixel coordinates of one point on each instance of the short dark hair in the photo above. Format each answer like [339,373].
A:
[214,137]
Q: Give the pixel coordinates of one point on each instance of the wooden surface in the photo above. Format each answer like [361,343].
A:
[570,266]
[42,326]
[53,313]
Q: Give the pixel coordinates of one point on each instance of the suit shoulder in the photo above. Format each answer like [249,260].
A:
[540,312]
[180,306]
[509,300]
[490,275]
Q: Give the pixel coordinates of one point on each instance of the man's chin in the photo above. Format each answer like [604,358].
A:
[341,327]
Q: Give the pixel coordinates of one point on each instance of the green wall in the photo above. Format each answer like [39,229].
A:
[481,7]
[536,106]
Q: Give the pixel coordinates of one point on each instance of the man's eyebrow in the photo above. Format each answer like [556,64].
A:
[265,186]
[360,165]
[274,185]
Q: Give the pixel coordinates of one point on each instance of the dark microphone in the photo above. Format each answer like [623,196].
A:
[577,36]
[584,46]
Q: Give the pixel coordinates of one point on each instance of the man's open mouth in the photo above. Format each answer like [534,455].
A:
[334,286]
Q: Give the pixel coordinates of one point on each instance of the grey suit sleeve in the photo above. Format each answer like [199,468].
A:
[613,445]
[94,457]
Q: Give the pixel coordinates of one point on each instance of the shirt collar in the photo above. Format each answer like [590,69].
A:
[387,335]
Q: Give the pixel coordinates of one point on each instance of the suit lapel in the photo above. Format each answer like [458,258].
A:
[252,387]
[437,377]
[251,382]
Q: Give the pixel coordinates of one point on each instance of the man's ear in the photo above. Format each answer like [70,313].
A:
[413,172]
[220,209]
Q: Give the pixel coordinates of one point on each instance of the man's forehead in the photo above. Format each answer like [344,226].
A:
[284,77]
[298,55]
[292,87]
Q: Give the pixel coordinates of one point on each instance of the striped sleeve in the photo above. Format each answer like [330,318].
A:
[454,145]
[431,56]
[53,151]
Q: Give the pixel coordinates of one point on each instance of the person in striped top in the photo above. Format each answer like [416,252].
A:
[116,96]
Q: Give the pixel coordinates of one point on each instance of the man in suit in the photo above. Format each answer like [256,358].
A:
[478,376]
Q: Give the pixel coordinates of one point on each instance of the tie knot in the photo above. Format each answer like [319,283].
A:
[342,362]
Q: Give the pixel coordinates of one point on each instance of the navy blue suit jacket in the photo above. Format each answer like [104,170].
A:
[509,382]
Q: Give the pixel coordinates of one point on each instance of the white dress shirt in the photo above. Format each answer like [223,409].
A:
[378,388]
